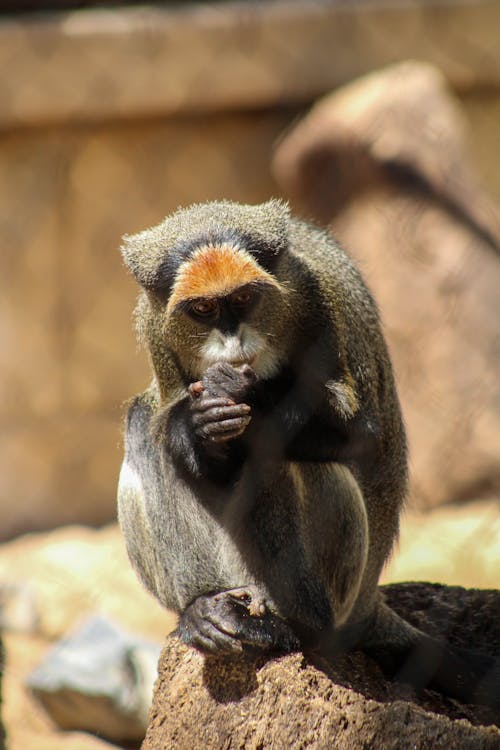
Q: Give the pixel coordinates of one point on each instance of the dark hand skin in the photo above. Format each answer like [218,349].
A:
[232,622]
[217,406]
[199,430]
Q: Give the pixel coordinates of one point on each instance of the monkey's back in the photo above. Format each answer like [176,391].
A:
[338,300]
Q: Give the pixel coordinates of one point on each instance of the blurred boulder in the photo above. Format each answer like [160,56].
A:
[98,679]
[383,162]
[301,700]
[2,662]
[49,583]
[18,607]
[453,544]
[50,580]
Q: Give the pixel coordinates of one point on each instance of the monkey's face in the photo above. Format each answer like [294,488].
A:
[212,291]
[217,312]
[223,329]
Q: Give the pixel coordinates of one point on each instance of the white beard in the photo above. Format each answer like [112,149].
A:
[246,346]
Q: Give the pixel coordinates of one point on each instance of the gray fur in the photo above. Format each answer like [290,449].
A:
[312,535]
[144,252]
[174,514]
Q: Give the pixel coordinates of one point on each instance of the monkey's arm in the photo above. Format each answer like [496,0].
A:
[323,437]
[200,428]
[307,422]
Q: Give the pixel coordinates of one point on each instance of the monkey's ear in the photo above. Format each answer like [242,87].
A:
[142,254]
[266,228]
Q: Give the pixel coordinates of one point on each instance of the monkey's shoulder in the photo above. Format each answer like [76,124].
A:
[138,434]
[317,255]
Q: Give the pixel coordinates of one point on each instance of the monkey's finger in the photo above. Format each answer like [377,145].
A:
[203,404]
[227,436]
[221,414]
[223,645]
[251,598]
[214,430]
[216,641]
[196,389]
[207,638]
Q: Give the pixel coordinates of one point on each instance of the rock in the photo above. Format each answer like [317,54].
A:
[72,572]
[384,162]
[2,662]
[99,679]
[18,607]
[453,544]
[303,701]
[75,571]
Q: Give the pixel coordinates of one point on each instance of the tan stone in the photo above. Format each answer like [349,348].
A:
[384,161]
[483,114]
[304,701]
[62,472]
[74,571]
[68,359]
[2,667]
[147,61]
[458,545]
[31,193]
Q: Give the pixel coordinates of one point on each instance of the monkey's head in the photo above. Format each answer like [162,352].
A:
[210,276]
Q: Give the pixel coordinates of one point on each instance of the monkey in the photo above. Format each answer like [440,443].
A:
[265,467]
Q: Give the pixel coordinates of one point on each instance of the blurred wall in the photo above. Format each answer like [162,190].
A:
[68,357]
[107,126]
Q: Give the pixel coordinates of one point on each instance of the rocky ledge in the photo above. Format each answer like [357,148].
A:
[302,701]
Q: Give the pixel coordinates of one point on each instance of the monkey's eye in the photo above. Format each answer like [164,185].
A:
[205,308]
[242,298]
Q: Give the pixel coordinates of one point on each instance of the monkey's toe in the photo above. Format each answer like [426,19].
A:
[198,629]
[251,597]
[233,621]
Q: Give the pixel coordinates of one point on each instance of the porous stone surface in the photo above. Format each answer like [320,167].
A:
[50,581]
[301,701]
[384,162]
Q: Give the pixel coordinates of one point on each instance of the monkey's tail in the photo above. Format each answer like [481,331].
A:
[408,655]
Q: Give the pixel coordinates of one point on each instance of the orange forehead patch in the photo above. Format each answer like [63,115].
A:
[214,271]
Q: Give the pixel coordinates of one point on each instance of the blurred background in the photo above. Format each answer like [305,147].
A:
[378,119]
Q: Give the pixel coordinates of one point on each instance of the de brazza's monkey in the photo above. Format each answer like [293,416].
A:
[266,466]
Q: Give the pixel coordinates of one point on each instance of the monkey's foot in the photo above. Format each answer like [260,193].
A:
[232,622]
[250,596]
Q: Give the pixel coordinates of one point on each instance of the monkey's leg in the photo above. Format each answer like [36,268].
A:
[408,655]
[233,621]
[335,537]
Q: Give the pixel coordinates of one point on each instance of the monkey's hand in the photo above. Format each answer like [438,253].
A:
[216,402]
[233,622]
